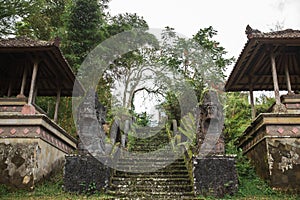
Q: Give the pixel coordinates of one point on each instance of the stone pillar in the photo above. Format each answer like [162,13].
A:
[279,107]
[57,104]
[288,80]
[21,95]
[33,82]
[275,79]
[253,111]
[9,89]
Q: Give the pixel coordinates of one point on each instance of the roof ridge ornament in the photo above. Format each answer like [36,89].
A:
[56,41]
[249,31]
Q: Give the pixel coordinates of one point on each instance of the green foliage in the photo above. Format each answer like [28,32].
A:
[172,107]
[65,116]
[125,22]
[142,119]
[263,104]
[188,127]
[47,104]
[204,38]
[85,29]
[238,117]
[10,12]
[45,19]
[89,189]
[41,19]
[3,190]
[200,60]
[51,188]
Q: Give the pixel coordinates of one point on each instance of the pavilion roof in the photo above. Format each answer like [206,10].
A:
[253,67]
[17,54]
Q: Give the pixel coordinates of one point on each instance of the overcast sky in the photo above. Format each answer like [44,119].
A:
[228,17]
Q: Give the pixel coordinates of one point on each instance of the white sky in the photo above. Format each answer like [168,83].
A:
[228,17]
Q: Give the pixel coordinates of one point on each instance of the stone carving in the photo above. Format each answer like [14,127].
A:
[210,131]
[100,110]
[91,117]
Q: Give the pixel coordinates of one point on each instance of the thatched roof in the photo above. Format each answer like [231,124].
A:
[254,63]
[17,54]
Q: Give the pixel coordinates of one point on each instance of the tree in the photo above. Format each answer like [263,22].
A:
[238,117]
[45,19]
[40,19]
[128,71]
[85,29]
[125,22]
[10,12]
[200,60]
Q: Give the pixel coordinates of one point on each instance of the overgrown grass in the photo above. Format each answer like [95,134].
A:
[253,188]
[51,189]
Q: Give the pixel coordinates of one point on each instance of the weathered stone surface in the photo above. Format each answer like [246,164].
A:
[82,173]
[91,117]
[210,137]
[16,160]
[284,163]
[259,159]
[272,144]
[28,109]
[24,162]
[215,175]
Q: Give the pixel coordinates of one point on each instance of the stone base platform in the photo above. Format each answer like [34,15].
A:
[272,143]
[85,174]
[32,147]
[215,176]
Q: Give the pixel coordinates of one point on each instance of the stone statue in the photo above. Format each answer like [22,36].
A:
[210,137]
[91,117]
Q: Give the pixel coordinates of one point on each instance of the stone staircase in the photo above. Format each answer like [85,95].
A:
[151,170]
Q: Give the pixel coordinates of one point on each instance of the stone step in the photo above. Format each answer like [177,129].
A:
[153,195]
[151,188]
[152,167]
[156,160]
[148,159]
[123,167]
[150,163]
[149,175]
[144,163]
[150,181]
[158,172]
[149,145]
[148,150]
[169,180]
[150,141]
